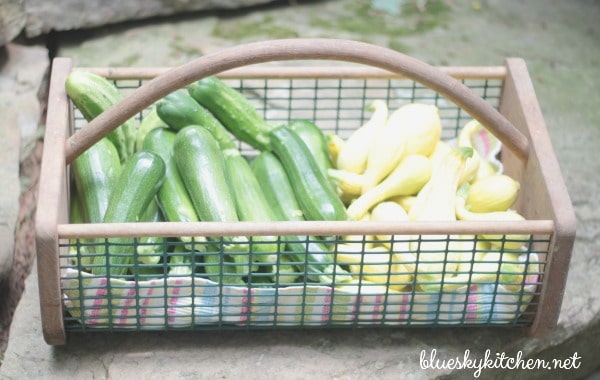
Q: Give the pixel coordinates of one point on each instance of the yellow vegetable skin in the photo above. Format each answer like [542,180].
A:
[414,128]
[406,201]
[360,242]
[377,265]
[392,212]
[407,178]
[493,193]
[491,267]
[348,184]
[334,145]
[435,202]
[512,241]
[353,155]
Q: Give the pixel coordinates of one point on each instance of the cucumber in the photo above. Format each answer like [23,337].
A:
[178,110]
[94,94]
[173,198]
[316,197]
[137,185]
[233,110]
[314,255]
[315,140]
[201,164]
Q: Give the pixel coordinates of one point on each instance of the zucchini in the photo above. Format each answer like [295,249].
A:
[233,110]
[312,254]
[173,198]
[137,185]
[96,172]
[94,94]
[150,248]
[149,122]
[202,167]
[251,204]
[250,201]
[182,261]
[315,140]
[178,110]
[80,248]
[316,197]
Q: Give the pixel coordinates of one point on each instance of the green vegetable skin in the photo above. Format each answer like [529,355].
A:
[150,248]
[250,202]
[315,256]
[178,110]
[96,172]
[94,94]
[315,140]
[173,197]
[316,197]
[137,185]
[149,122]
[233,110]
[202,167]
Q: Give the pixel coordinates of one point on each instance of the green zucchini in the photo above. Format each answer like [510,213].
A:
[181,261]
[178,110]
[80,248]
[94,94]
[233,110]
[315,140]
[150,248]
[223,269]
[137,185]
[316,197]
[201,164]
[251,204]
[314,255]
[96,172]
[173,198]
[149,122]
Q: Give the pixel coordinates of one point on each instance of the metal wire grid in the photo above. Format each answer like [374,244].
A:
[284,293]
[146,300]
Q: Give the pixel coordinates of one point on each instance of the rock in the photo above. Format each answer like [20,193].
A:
[12,19]
[46,15]
[21,78]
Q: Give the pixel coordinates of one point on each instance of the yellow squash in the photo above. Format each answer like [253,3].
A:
[353,155]
[407,178]
[435,202]
[414,128]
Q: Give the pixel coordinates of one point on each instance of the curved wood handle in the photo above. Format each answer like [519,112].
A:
[299,49]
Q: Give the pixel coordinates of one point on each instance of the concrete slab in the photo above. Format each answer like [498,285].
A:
[557,39]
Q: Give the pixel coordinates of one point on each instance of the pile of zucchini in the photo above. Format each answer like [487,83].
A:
[183,164]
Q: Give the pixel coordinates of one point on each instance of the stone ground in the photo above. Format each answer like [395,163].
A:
[557,39]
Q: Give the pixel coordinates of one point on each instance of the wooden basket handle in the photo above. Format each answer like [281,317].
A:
[299,49]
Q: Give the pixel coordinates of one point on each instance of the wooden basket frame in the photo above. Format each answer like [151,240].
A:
[527,155]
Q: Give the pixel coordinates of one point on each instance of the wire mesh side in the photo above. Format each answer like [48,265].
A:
[338,105]
[415,281]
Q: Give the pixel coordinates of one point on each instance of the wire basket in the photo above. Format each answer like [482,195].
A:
[518,283]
